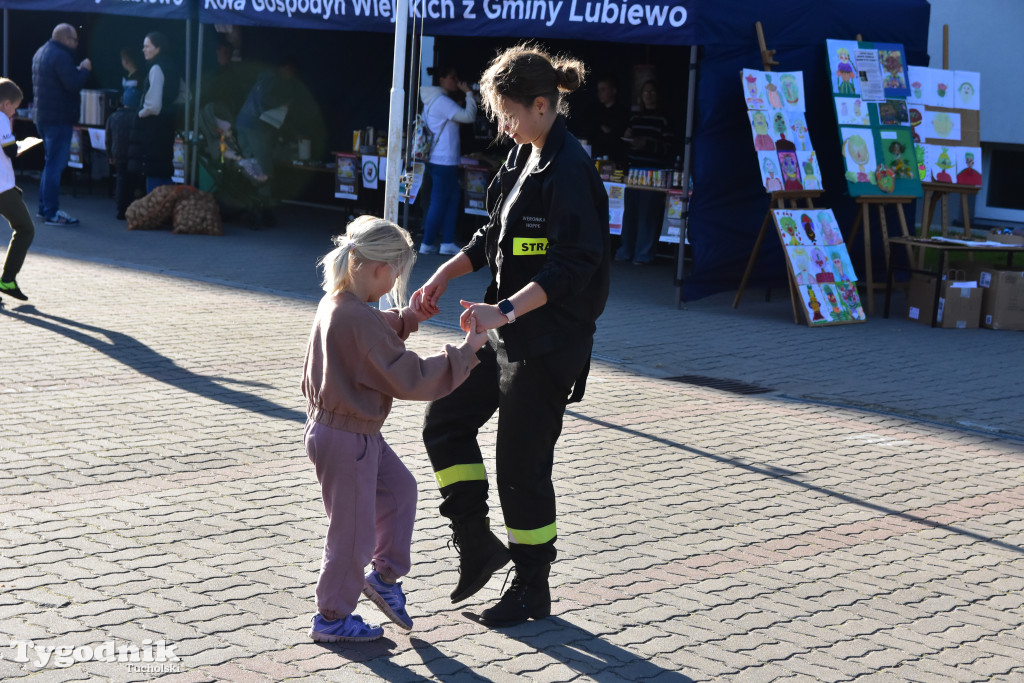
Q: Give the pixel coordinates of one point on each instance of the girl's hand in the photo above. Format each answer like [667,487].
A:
[416,306]
[431,292]
[487,317]
[475,336]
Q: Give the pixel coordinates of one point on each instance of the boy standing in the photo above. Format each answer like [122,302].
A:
[12,206]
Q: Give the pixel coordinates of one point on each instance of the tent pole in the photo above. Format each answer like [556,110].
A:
[395,120]
[194,130]
[188,93]
[6,41]
[691,100]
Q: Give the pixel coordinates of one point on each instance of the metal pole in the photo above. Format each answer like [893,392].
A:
[6,40]
[395,120]
[691,103]
[194,132]
[188,93]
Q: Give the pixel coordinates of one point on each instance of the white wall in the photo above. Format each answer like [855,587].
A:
[986,36]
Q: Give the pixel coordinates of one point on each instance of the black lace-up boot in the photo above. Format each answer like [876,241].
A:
[527,598]
[481,553]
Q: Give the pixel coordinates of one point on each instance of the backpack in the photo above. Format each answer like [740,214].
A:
[422,138]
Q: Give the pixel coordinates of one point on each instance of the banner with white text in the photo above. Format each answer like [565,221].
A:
[662,22]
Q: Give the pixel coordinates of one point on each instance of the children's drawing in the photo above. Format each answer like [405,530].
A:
[772,91]
[942,124]
[940,163]
[801,262]
[752,90]
[968,160]
[844,70]
[790,171]
[829,232]
[791,237]
[898,153]
[885,179]
[848,293]
[894,69]
[916,119]
[968,90]
[822,267]
[852,111]
[770,177]
[812,296]
[793,90]
[918,78]
[858,154]
[759,124]
[811,171]
[799,128]
[836,307]
[893,113]
[940,89]
[807,223]
[920,153]
[779,127]
[842,267]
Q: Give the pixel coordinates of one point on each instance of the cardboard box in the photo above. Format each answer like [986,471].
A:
[959,305]
[1003,302]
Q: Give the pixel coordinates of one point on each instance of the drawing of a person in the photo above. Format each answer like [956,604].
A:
[814,305]
[762,141]
[848,291]
[774,101]
[811,181]
[771,182]
[856,150]
[808,226]
[899,165]
[800,128]
[753,100]
[790,89]
[966,91]
[831,234]
[968,176]
[837,266]
[944,163]
[845,73]
[779,123]
[790,171]
[801,266]
[788,226]
[837,309]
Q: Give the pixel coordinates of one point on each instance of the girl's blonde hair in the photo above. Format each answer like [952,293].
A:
[369,239]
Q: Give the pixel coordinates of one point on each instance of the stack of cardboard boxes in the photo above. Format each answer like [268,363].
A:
[971,295]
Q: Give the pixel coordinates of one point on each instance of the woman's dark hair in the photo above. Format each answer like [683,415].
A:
[158,39]
[440,70]
[525,72]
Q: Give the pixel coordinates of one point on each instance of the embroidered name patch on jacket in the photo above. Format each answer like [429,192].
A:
[529,246]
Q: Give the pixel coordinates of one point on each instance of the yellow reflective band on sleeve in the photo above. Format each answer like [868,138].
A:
[539,536]
[529,246]
[456,473]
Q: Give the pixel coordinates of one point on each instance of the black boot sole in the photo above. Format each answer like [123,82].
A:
[497,561]
[503,623]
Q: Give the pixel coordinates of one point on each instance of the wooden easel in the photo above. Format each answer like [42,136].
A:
[779,199]
[864,218]
[936,192]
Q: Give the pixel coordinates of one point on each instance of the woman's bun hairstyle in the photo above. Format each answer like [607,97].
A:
[526,72]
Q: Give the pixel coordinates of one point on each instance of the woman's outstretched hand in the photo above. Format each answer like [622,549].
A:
[487,317]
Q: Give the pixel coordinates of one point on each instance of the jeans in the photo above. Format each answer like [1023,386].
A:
[641,225]
[444,204]
[57,146]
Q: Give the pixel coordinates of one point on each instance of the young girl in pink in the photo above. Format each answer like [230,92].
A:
[356,363]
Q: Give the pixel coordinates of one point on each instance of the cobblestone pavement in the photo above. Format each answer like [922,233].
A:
[156,490]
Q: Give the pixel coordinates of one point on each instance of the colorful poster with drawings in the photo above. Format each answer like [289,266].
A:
[878,160]
[968,164]
[894,69]
[819,266]
[672,223]
[968,90]
[778,127]
[852,111]
[475,194]
[346,177]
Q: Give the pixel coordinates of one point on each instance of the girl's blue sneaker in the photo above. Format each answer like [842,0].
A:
[388,597]
[350,629]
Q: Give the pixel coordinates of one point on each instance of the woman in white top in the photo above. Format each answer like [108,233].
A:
[162,91]
[443,116]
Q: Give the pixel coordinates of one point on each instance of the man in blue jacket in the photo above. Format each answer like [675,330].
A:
[56,82]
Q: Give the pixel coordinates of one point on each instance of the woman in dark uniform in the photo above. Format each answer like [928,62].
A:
[546,244]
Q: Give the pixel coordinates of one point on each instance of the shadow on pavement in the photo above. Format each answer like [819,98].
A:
[790,477]
[144,360]
[589,654]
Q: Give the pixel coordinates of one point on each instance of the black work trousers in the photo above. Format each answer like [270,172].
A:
[530,398]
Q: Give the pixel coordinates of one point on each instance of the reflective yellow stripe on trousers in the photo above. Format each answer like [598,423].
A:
[456,473]
[539,536]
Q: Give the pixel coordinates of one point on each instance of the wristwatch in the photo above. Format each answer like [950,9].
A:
[506,307]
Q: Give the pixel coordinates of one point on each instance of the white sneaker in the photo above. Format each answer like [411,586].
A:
[449,248]
[428,248]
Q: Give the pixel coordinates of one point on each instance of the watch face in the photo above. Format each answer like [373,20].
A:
[505,306]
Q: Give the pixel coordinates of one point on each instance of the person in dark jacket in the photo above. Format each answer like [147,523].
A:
[56,84]
[546,244]
[123,143]
[157,116]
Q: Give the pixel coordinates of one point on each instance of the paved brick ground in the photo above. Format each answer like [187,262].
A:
[156,486]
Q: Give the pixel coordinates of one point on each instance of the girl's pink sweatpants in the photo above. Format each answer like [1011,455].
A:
[370,500]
